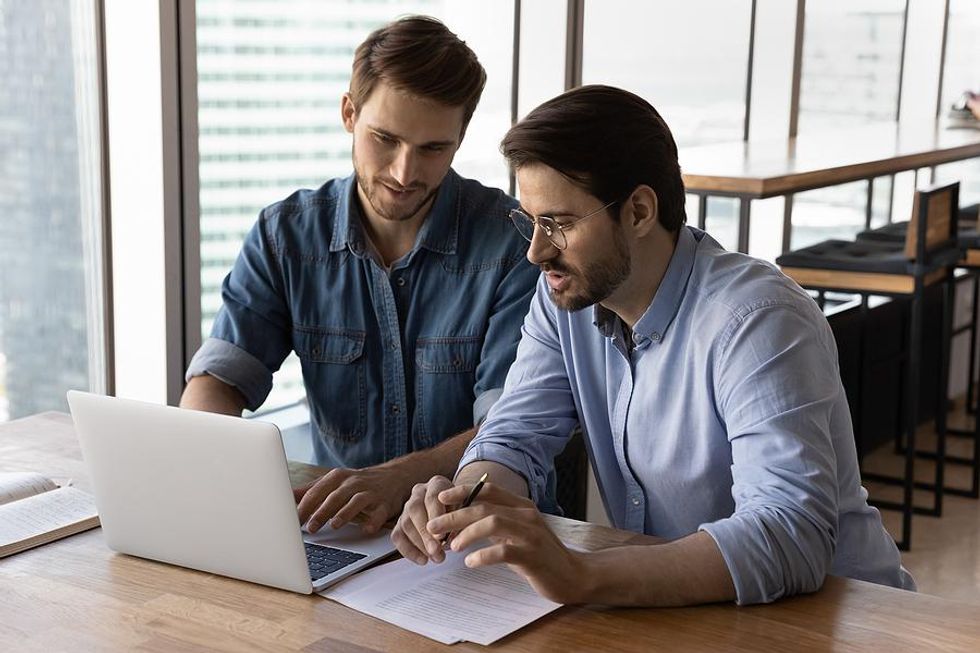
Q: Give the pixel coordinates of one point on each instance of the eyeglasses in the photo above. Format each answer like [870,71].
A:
[554,230]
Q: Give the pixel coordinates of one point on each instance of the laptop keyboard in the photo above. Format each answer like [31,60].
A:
[325,560]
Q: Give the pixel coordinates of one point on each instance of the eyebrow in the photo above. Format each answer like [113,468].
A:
[556,213]
[387,133]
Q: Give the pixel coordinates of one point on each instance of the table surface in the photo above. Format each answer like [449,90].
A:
[824,158]
[75,594]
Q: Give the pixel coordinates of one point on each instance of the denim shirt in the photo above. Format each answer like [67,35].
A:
[393,360]
[728,416]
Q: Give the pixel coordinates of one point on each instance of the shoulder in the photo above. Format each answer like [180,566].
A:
[307,210]
[730,289]
[484,220]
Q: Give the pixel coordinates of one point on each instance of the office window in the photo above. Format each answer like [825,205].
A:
[270,78]
[961,73]
[51,331]
[691,68]
[852,57]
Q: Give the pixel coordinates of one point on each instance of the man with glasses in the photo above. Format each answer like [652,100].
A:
[705,382]
[401,288]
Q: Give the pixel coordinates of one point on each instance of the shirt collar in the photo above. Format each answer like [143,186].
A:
[653,324]
[439,232]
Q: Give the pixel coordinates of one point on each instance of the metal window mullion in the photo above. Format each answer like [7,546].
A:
[515,75]
[574,34]
[108,327]
[748,74]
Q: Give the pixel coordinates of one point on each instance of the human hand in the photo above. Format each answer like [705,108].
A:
[411,535]
[519,538]
[973,104]
[373,493]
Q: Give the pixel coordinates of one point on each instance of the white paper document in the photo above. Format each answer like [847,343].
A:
[447,602]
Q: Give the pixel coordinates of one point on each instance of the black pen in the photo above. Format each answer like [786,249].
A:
[468,501]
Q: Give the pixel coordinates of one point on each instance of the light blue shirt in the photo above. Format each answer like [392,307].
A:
[394,359]
[728,416]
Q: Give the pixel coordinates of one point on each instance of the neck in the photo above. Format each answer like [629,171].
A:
[632,298]
[392,238]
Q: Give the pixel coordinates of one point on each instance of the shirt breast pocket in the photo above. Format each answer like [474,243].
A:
[446,373]
[333,370]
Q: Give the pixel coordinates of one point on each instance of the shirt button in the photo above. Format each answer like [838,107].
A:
[400,281]
[636,501]
[655,336]
[394,408]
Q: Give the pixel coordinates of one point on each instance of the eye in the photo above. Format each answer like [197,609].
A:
[384,138]
[434,149]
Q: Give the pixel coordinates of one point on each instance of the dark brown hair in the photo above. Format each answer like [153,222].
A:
[420,56]
[607,141]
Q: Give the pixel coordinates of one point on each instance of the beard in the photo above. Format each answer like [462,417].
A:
[598,280]
[389,210]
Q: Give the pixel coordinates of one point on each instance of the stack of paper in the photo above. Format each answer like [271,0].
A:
[447,602]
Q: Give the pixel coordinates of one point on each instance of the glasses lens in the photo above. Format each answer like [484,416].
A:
[551,230]
[523,222]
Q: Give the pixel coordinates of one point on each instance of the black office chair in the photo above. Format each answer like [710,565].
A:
[968,238]
[866,268]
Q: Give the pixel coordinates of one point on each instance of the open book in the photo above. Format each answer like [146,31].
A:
[35,511]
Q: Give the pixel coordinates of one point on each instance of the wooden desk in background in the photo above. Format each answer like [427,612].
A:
[757,170]
[75,594]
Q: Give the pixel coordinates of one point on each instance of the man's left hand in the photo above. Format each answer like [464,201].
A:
[519,537]
[376,494]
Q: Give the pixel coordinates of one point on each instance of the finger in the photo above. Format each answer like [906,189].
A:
[376,518]
[494,554]
[326,510]
[300,491]
[406,539]
[358,503]
[489,493]
[495,526]
[457,520]
[420,512]
[317,492]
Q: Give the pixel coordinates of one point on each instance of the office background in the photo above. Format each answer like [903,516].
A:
[139,139]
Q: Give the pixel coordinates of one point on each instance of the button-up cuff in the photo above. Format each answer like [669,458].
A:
[484,403]
[234,366]
[750,583]
[517,461]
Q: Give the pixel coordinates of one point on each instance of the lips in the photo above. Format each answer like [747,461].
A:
[400,193]
[556,280]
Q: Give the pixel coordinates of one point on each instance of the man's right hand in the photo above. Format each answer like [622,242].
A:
[411,534]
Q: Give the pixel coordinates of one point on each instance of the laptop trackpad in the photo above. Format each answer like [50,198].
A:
[351,538]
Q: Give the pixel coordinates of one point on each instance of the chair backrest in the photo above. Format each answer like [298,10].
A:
[933,224]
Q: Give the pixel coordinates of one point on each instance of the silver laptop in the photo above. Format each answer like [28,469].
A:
[209,492]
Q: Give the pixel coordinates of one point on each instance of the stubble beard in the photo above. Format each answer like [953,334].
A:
[599,280]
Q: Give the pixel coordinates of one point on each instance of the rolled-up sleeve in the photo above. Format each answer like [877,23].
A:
[534,417]
[251,335]
[777,385]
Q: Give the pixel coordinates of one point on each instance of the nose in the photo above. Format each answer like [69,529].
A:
[403,168]
[541,249]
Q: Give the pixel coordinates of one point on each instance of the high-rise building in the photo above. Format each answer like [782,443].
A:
[44,345]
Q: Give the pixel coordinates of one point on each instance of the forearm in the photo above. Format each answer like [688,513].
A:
[500,475]
[440,460]
[207,393]
[688,571]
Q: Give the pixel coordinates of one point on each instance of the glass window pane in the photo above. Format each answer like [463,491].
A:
[962,73]
[691,69]
[51,331]
[270,78]
[852,57]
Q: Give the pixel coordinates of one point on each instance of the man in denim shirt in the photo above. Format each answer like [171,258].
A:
[705,382]
[401,288]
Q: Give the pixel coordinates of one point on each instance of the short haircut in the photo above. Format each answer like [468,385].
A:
[607,141]
[418,55]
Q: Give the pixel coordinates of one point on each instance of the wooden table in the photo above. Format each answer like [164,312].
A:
[757,170]
[75,594]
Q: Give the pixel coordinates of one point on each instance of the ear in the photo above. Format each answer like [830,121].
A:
[348,113]
[641,210]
